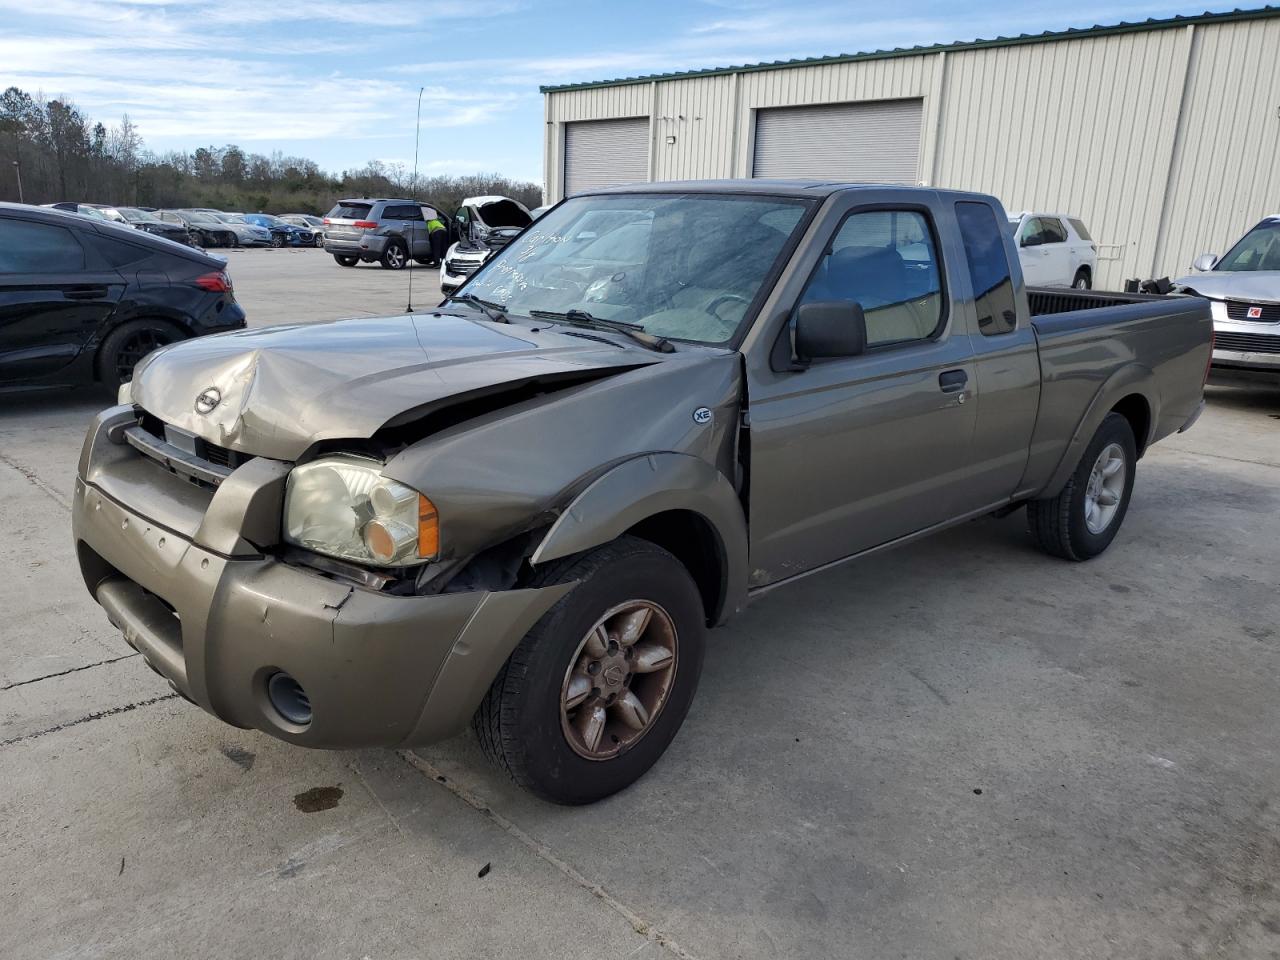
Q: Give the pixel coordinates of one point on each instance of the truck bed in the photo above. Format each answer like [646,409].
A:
[1095,343]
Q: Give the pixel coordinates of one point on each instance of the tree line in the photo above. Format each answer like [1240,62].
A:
[50,151]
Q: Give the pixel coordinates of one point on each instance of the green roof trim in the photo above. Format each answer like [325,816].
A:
[1075,33]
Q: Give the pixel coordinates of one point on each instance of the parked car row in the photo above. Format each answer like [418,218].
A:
[84,297]
[206,227]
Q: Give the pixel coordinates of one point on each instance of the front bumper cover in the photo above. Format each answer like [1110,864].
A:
[188,586]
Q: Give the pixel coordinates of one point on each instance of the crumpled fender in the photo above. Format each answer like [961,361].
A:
[647,485]
[1129,379]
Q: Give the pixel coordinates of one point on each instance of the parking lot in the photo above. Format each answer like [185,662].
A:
[963,748]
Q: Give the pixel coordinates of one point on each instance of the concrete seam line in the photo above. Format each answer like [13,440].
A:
[63,673]
[545,853]
[34,479]
[100,715]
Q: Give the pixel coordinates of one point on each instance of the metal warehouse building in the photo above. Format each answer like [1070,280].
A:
[1164,136]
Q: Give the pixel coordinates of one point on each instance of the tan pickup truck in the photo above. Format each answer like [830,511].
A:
[525,507]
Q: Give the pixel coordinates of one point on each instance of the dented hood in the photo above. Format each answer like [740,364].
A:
[276,391]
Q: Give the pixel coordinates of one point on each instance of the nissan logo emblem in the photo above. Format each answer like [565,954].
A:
[209,398]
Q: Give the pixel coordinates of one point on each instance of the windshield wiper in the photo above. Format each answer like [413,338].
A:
[580,318]
[496,312]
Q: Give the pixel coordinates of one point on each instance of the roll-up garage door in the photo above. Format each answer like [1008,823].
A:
[877,142]
[604,153]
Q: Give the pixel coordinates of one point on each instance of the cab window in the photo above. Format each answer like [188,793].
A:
[988,268]
[887,262]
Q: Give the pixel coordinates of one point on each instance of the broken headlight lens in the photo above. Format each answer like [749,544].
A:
[342,506]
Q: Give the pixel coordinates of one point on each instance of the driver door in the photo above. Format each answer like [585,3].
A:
[853,452]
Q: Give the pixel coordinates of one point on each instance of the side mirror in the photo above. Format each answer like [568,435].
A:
[834,328]
[1032,240]
[1204,263]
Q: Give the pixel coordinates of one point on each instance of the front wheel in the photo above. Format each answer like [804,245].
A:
[1081,521]
[277,240]
[597,690]
[319,240]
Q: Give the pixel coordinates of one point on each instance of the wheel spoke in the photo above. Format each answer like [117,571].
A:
[650,657]
[1113,466]
[631,625]
[598,642]
[631,711]
[590,725]
[579,690]
[1107,498]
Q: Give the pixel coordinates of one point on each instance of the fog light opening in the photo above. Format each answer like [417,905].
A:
[289,699]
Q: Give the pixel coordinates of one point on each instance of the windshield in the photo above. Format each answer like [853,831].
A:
[686,267]
[266,220]
[136,216]
[1259,249]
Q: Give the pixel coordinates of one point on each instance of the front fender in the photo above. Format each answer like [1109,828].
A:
[643,487]
[1132,378]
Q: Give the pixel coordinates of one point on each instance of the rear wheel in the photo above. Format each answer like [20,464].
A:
[345,261]
[1081,521]
[128,343]
[1082,281]
[597,690]
[395,256]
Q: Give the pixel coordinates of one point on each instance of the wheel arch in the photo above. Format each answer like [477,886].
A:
[677,501]
[106,332]
[1129,391]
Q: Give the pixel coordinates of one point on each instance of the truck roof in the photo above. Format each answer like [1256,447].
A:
[768,187]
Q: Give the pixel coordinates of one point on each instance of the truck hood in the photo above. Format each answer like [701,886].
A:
[1258,285]
[276,391]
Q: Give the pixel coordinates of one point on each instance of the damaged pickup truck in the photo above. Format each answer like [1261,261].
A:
[525,508]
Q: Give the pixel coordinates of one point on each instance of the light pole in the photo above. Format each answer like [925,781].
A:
[17,169]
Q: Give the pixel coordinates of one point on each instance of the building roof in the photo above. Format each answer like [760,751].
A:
[1075,33]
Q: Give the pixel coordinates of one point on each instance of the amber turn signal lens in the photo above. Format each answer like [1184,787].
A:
[428,529]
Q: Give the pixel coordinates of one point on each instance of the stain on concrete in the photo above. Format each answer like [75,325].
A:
[240,757]
[317,799]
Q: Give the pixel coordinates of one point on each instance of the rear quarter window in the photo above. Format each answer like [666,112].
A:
[989,271]
[1078,227]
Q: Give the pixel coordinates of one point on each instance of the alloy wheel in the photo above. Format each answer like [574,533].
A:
[1105,488]
[618,679]
[135,348]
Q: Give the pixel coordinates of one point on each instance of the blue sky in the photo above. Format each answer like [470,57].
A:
[338,82]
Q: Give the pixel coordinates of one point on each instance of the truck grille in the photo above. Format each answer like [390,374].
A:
[1239,310]
[460,268]
[1247,342]
[222,459]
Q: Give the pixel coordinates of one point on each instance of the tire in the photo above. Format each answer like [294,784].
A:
[395,257]
[522,724]
[344,261]
[1082,281]
[277,240]
[130,342]
[1078,524]
[318,240]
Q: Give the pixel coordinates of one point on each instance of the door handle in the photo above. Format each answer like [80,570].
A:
[952,381]
[85,293]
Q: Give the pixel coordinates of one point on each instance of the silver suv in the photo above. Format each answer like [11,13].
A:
[390,232]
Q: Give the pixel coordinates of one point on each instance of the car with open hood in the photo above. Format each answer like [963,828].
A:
[1243,289]
[523,509]
[485,225]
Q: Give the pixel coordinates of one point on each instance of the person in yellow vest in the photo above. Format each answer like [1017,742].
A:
[437,236]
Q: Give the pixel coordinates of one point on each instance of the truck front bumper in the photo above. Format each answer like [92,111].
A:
[218,616]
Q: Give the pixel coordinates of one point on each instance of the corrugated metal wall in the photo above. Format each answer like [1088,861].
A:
[1099,127]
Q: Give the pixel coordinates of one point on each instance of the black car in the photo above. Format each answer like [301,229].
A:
[147,222]
[83,300]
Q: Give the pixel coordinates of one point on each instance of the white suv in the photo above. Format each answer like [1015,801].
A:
[1055,250]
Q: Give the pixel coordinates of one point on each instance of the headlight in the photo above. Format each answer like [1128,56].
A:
[343,507]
